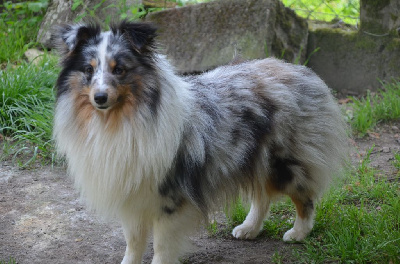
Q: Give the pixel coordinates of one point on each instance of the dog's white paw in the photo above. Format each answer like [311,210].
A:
[128,259]
[245,231]
[294,235]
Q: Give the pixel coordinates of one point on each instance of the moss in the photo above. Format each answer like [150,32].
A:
[335,39]
[394,45]
[373,6]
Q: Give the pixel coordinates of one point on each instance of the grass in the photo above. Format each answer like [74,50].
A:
[374,108]
[26,107]
[396,161]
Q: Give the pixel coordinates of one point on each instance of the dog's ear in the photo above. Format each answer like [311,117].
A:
[139,35]
[68,38]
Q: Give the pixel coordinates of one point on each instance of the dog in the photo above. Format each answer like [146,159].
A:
[160,151]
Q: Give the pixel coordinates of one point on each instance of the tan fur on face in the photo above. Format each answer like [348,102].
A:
[93,62]
[123,108]
[124,104]
[82,105]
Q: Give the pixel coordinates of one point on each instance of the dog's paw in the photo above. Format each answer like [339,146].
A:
[244,231]
[128,259]
[293,235]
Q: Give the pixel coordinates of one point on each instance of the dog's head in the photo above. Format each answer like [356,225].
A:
[105,69]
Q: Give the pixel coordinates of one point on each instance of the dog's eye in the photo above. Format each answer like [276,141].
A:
[89,70]
[118,71]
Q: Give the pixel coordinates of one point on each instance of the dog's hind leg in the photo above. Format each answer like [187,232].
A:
[136,230]
[253,223]
[171,232]
[304,219]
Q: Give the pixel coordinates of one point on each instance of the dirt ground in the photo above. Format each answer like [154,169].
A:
[43,221]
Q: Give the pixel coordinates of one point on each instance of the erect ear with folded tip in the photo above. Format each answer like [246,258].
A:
[140,35]
[69,38]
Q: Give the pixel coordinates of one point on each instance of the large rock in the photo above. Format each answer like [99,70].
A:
[353,62]
[380,17]
[204,36]
[60,11]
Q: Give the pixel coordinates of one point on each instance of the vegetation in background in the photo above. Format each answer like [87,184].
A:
[19,26]
[327,10]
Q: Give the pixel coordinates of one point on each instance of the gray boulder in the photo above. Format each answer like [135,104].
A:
[204,36]
[380,17]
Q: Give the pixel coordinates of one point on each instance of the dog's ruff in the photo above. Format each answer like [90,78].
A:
[160,151]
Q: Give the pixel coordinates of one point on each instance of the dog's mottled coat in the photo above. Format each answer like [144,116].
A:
[159,151]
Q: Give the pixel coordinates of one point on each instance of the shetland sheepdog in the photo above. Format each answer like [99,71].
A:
[160,151]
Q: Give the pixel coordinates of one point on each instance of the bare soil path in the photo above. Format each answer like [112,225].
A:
[43,221]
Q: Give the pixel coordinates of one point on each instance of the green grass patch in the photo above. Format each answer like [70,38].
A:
[26,107]
[367,112]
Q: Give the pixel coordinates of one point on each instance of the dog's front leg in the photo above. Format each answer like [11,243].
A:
[171,233]
[136,230]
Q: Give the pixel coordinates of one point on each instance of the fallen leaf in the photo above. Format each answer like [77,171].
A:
[374,135]
[344,100]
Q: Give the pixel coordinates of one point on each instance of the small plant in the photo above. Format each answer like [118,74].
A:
[212,228]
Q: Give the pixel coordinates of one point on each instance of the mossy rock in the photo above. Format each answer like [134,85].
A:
[352,61]
[201,37]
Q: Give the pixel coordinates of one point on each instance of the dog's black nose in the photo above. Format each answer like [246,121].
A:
[100,98]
